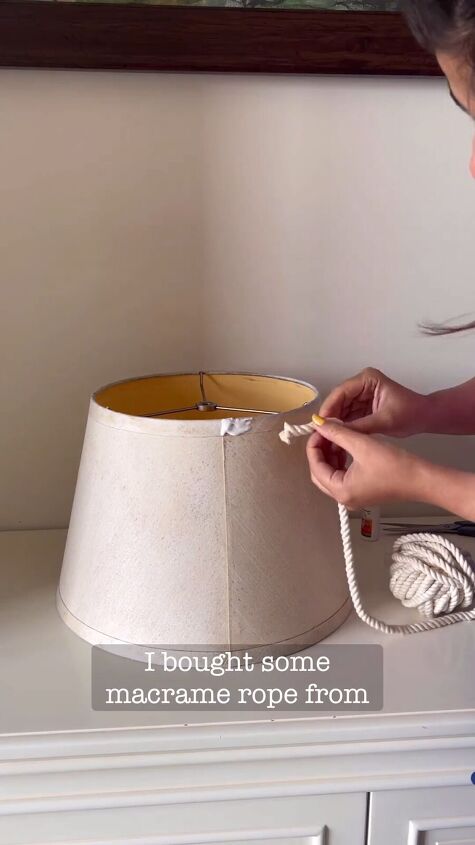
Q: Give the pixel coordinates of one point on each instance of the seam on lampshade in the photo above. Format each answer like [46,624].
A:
[226,541]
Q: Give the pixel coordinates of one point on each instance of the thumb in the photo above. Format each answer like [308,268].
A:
[341,435]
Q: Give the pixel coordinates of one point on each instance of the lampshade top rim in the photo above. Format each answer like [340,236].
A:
[116,417]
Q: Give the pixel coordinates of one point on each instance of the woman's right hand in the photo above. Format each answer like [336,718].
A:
[375,404]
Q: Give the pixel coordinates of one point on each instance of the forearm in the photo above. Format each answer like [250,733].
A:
[451,411]
[451,489]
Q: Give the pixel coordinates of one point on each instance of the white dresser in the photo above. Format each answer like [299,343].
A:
[74,776]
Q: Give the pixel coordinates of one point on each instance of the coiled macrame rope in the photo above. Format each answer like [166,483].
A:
[427,571]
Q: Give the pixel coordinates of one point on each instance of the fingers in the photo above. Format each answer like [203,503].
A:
[343,436]
[349,399]
[334,404]
[326,476]
[334,455]
[340,457]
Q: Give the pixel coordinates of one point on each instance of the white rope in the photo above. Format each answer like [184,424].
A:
[427,572]
[290,431]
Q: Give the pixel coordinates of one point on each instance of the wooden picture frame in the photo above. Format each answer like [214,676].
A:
[43,34]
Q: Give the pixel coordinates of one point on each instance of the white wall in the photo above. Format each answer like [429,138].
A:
[157,222]
[339,214]
[100,261]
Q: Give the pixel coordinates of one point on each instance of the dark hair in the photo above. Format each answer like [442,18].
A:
[437,329]
[447,26]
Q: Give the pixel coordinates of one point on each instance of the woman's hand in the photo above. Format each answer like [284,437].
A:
[371,402]
[379,471]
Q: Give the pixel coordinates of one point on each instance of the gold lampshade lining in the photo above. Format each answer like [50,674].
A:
[153,395]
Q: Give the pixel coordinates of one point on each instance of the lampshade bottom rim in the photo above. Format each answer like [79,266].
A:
[287,646]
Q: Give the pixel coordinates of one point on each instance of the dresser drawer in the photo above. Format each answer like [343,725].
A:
[443,816]
[290,820]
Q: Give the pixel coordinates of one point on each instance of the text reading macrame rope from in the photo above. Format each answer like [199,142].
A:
[428,571]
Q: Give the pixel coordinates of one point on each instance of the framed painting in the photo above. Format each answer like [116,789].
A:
[246,36]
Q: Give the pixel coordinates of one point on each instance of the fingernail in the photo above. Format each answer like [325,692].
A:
[317,419]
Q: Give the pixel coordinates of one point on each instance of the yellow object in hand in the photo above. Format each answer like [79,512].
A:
[317,419]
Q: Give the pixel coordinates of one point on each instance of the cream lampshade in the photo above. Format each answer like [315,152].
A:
[192,523]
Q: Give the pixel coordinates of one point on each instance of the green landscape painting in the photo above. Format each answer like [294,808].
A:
[317,5]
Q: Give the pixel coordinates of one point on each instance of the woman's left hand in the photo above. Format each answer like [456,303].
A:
[378,472]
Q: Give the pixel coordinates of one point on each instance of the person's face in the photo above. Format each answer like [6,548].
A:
[460,78]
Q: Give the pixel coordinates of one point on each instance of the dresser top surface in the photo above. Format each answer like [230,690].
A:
[46,669]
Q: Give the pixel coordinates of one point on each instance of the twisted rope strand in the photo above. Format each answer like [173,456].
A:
[290,431]
[427,572]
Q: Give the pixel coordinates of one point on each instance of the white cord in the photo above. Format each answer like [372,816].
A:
[427,571]
[290,431]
